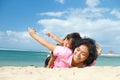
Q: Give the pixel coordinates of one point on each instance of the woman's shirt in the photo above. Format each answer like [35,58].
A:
[64,57]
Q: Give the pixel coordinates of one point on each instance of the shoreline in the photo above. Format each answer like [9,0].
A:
[110,55]
[41,73]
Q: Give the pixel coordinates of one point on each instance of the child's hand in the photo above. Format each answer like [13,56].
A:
[49,34]
[31,31]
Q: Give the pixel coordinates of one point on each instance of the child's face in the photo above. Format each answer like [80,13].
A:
[81,53]
[67,43]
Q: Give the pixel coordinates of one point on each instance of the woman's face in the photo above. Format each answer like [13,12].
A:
[81,53]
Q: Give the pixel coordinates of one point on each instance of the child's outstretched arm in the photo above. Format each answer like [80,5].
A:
[49,34]
[42,41]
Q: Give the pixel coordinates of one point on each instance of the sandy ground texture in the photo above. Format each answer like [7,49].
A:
[40,73]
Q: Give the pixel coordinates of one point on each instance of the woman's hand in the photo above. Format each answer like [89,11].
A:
[31,31]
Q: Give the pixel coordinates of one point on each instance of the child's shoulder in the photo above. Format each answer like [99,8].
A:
[62,50]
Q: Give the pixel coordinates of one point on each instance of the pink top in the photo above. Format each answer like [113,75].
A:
[64,57]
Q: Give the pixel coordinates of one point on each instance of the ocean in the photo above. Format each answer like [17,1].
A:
[22,58]
[34,58]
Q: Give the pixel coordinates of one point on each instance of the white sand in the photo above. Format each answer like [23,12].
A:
[40,73]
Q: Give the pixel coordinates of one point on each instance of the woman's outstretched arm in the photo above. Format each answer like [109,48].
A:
[42,41]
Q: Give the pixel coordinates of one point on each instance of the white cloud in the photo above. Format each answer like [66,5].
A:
[117,38]
[60,1]
[92,3]
[1,34]
[14,39]
[116,13]
[19,41]
[14,36]
[91,22]
[53,14]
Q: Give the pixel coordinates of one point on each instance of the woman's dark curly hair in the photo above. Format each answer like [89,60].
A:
[90,43]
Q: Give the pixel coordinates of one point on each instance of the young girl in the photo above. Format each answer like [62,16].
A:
[84,53]
[69,41]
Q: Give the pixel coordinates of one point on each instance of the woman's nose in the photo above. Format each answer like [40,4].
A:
[79,54]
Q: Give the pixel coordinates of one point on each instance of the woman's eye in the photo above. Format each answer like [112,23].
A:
[83,54]
[78,49]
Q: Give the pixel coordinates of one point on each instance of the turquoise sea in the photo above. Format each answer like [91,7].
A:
[27,58]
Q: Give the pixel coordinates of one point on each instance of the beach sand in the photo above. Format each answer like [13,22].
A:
[40,73]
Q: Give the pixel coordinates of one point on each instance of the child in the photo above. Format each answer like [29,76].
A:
[70,41]
[83,54]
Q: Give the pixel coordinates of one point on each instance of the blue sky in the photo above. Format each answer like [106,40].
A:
[98,19]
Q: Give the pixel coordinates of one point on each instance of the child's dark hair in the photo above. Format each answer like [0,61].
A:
[75,39]
[90,43]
